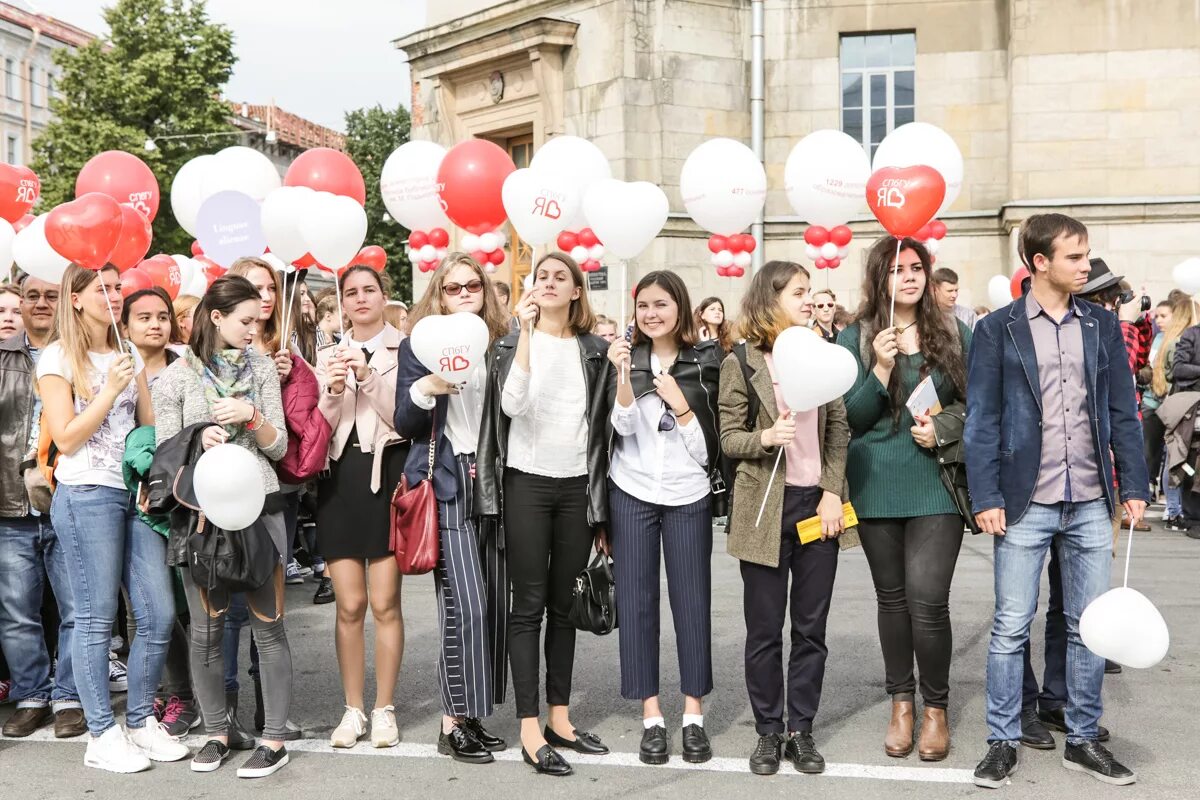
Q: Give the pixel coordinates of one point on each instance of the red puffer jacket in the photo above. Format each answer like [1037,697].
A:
[308,431]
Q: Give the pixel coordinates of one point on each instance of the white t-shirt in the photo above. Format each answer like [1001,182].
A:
[98,462]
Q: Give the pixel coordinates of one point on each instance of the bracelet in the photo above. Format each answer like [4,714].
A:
[257,418]
[684,414]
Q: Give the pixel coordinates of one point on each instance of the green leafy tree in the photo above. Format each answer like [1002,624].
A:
[159,73]
[371,136]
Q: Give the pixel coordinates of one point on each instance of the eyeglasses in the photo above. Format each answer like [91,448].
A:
[667,421]
[823,305]
[472,287]
[33,297]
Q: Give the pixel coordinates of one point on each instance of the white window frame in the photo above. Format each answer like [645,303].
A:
[10,79]
[865,73]
[12,149]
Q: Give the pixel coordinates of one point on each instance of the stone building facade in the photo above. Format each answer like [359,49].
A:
[1088,107]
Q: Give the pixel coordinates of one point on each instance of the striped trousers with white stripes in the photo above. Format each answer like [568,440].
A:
[472,589]
[638,532]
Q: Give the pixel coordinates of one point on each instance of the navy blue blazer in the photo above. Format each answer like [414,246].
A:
[1003,433]
[415,423]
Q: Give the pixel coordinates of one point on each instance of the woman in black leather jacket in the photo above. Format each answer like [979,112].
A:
[542,463]
[664,449]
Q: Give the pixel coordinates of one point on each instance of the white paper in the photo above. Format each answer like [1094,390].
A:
[924,399]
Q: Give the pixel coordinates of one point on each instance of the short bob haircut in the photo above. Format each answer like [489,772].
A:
[685,332]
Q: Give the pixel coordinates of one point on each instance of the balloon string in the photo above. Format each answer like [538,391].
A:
[769,484]
[1128,551]
[466,416]
[337,287]
[895,276]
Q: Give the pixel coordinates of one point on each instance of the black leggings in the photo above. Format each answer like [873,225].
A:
[547,541]
[912,563]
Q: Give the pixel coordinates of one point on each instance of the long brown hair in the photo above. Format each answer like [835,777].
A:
[724,334]
[580,316]
[226,293]
[685,332]
[941,344]
[430,304]
[272,328]
[73,335]
[1183,316]
[762,319]
[154,291]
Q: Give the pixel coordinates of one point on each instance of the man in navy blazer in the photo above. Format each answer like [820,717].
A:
[1050,411]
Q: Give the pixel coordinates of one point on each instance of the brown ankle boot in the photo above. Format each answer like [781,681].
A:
[898,742]
[934,743]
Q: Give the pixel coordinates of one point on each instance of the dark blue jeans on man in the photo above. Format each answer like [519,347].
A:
[1052,694]
[30,553]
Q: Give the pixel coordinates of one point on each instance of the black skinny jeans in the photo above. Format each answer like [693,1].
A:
[912,563]
[548,542]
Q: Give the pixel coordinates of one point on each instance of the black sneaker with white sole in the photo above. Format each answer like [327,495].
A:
[210,757]
[997,766]
[1094,759]
[264,762]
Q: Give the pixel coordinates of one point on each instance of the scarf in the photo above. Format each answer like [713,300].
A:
[228,375]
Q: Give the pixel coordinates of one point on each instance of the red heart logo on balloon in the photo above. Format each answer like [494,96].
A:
[19,190]
[904,199]
[86,230]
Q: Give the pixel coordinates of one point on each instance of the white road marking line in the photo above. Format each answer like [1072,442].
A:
[513,755]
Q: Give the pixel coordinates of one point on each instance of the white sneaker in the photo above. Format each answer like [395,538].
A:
[384,732]
[350,729]
[112,751]
[156,743]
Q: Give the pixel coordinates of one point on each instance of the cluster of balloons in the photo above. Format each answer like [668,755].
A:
[724,188]
[918,175]
[486,248]
[825,178]
[827,247]
[585,247]
[731,254]
[427,249]
[931,236]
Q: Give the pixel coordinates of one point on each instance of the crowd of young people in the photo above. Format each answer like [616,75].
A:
[577,436]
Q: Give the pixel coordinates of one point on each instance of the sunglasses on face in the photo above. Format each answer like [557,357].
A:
[822,305]
[472,287]
[667,421]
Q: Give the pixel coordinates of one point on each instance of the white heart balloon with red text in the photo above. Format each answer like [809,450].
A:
[451,346]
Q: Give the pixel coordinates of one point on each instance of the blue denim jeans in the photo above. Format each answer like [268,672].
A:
[29,553]
[1082,534]
[1052,694]
[105,544]
[1174,494]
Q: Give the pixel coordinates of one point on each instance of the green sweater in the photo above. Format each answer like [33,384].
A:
[890,476]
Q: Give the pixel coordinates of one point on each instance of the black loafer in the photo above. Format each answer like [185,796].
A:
[1033,733]
[490,741]
[656,747]
[587,743]
[1056,720]
[548,762]
[462,746]
[802,752]
[696,747]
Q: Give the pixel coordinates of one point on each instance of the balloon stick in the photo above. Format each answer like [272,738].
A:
[624,322]
[337,287]
[289,318]
[769,484]
[1128,551]
[111,315]
[895,275]
[533,272]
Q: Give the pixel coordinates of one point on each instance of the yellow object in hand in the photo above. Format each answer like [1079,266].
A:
[809,530]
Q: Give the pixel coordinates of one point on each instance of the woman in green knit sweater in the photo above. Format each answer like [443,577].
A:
[911,531]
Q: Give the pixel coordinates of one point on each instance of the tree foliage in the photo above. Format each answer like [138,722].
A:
[159,73]
[371,136]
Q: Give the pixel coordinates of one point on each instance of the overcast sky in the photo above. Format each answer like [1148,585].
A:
[316,58]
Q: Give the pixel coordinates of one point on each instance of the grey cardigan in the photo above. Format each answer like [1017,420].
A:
[179,401]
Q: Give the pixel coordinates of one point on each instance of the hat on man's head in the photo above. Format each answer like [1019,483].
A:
[1100,277]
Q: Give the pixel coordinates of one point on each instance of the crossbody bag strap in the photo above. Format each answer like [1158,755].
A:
[432,441]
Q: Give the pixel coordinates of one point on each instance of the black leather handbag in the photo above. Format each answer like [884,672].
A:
[594,604]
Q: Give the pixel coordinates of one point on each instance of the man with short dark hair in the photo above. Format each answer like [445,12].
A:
[945,291]
[1050,410]
[29,549]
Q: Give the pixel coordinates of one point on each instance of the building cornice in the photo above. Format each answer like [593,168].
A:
[481,38]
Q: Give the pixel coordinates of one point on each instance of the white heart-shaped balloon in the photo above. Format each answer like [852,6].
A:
[578,162]
[334,228]
[282,212]
[34,254]
[451,346]
[625,216]
[811,372]
[1122,625]
[229,486]
[1187,275]
[7,234]
[999,291]
[724,186]
[539,204]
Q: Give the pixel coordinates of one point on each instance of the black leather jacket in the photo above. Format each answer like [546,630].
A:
[492,455]
[16,399]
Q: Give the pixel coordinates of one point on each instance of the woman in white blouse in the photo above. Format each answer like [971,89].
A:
[664,449]
[544,443]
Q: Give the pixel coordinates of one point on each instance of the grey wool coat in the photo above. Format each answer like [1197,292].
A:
[746,541]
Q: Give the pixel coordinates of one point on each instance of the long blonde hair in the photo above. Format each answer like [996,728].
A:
[1183,316]
[72,334]
[430,304]
[272,329]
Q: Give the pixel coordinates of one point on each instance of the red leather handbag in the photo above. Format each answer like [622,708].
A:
[414,520]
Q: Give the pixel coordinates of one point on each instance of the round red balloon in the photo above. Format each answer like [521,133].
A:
[134,280]
[821,263]
[134,241]
[717,243]
[816,235]
[472,176]
[723,271]
[841,235]
[418,239]
[480,257]
[327,170]
[197,250]
[122,176]
[735,271]
[163,272]
[748,243]
[85,230]
[439,238]
[496,257]
[19,190]
[904,199]
[567,241]
[937,229]
[587,238]
[372,256]
[1017,279]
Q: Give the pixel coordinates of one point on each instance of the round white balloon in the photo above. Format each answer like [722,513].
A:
[829,250]
[241,169]
[919,143]
[409,186]
[742,259]
[579,254]
[451,346]
[811,371]
[999,291]
[723,258]
[578,163]
[826,178]
[1122,625]
[187,191]
[724,186]
[229,486]
[488,242]
[7,234]
[334,229]
[538,204]
[34,254]
[626,216]
[1186,275]
[470,242]
[282,211]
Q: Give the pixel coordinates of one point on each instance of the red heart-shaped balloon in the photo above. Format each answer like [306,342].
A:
[19,190]
[134,241]
[86,230]
[904,199]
